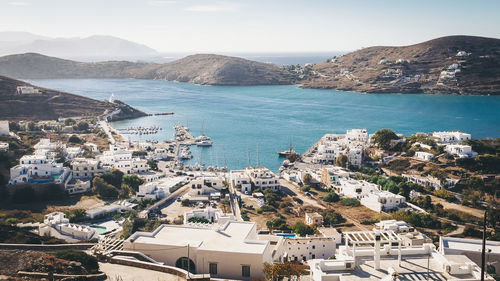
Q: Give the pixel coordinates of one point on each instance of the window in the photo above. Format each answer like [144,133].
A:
[314,247]
[245,270]
[212,268]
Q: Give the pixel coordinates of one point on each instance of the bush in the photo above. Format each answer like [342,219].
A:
[301,229]
[104,189]
[11,220]
[350,202]
[245,216]
[298,200]
[331,197]
[198,220]
[88,262]
[75,139]
[445,194]
[383,138]
[185,202]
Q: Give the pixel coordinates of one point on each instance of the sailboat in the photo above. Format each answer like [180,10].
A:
[288,152]
[203,140]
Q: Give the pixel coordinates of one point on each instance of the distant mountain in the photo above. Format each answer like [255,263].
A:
[50,104]
[454,64]
[199,69]
[93,48]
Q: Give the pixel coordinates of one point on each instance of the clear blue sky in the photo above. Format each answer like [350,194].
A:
[254,25]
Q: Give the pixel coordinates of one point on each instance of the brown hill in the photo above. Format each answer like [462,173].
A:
[199,69]
[420,68]
[222,70]
[50,104]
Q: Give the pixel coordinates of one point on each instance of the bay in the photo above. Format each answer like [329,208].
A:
[242,120]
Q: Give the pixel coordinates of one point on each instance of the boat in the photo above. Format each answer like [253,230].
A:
[203,140]
[288,152]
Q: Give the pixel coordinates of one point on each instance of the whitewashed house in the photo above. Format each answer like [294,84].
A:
[262,178]
[240,179]
[462,151]
[314,219]
[4,128]
[453,137]
[57,225]
[37,169]
[382,201]
[355,188]
[425,156]
[211,214]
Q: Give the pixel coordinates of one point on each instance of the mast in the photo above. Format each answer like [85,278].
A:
[258,155]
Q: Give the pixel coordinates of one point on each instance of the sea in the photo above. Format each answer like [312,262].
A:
[250,124]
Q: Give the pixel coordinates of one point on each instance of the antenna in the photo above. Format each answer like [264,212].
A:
[216,159]
[248,157]
[258,155]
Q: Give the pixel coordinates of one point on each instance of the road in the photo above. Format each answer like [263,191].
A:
[235,208]
[105,126]
[117,272]
[166,201]
[293,190]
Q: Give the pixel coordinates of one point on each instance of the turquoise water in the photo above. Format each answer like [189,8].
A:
[287,235]
[240,118]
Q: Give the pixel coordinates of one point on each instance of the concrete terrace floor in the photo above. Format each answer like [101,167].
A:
[117,272]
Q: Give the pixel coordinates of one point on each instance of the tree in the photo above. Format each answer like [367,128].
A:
[77,215]
[153,165]
[331,197]
[31,126]
[301,229]
[350,202]
[104,189]
[383,138]
[114,177]
[278,271]
[75,139]
[82,126]
[23,195]
[69,122]
[133,181]
[341,161]
[307,179]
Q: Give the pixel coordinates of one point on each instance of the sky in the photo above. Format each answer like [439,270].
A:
[254,25]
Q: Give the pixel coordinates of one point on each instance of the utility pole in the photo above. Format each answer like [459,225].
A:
[483,252]
[188,262]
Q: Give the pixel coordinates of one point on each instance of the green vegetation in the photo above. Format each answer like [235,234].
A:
[133,181]
[301,229]
[153,165]
[198,220]
[417,219]
[16,235]
[397,185]
[75,139]
[331,197]
[483,164]
[383,138]
[88,262]
[244,215]
[331,218]
[278,223]
[445,194]
[350,202]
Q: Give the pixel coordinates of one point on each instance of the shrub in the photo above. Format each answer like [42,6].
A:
[298,200]
[350,202]
[198,220]
[331,197]
[301,229]
[88,262]
[185,202]
[75,139]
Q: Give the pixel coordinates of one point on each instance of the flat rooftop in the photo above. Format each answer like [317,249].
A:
[469,245]
[412,268]
[231,237]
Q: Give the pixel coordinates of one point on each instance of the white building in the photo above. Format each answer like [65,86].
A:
[36,169]
[240,179]
[121,158]
[471,248]
[462,151]
[211,214]
[425,156]
[104,211]
[4,128]
[231,251]
[380,255]
[304,248]
[355,188]
[382,201]
[27,90]
[57,225]
[314,219]
[425,181]
[205,188]
[86,168]
[263,178]
[453,137]
[350,144]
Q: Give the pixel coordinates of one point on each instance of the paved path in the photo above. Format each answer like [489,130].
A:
[117,272]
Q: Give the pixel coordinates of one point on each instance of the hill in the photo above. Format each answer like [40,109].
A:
[199,69]
[94,48]
[212,69]
[50,104]
[448,65]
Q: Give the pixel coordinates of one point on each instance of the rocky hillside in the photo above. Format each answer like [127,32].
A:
[222,70]
[50,104]
[448,65]
[199,69]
